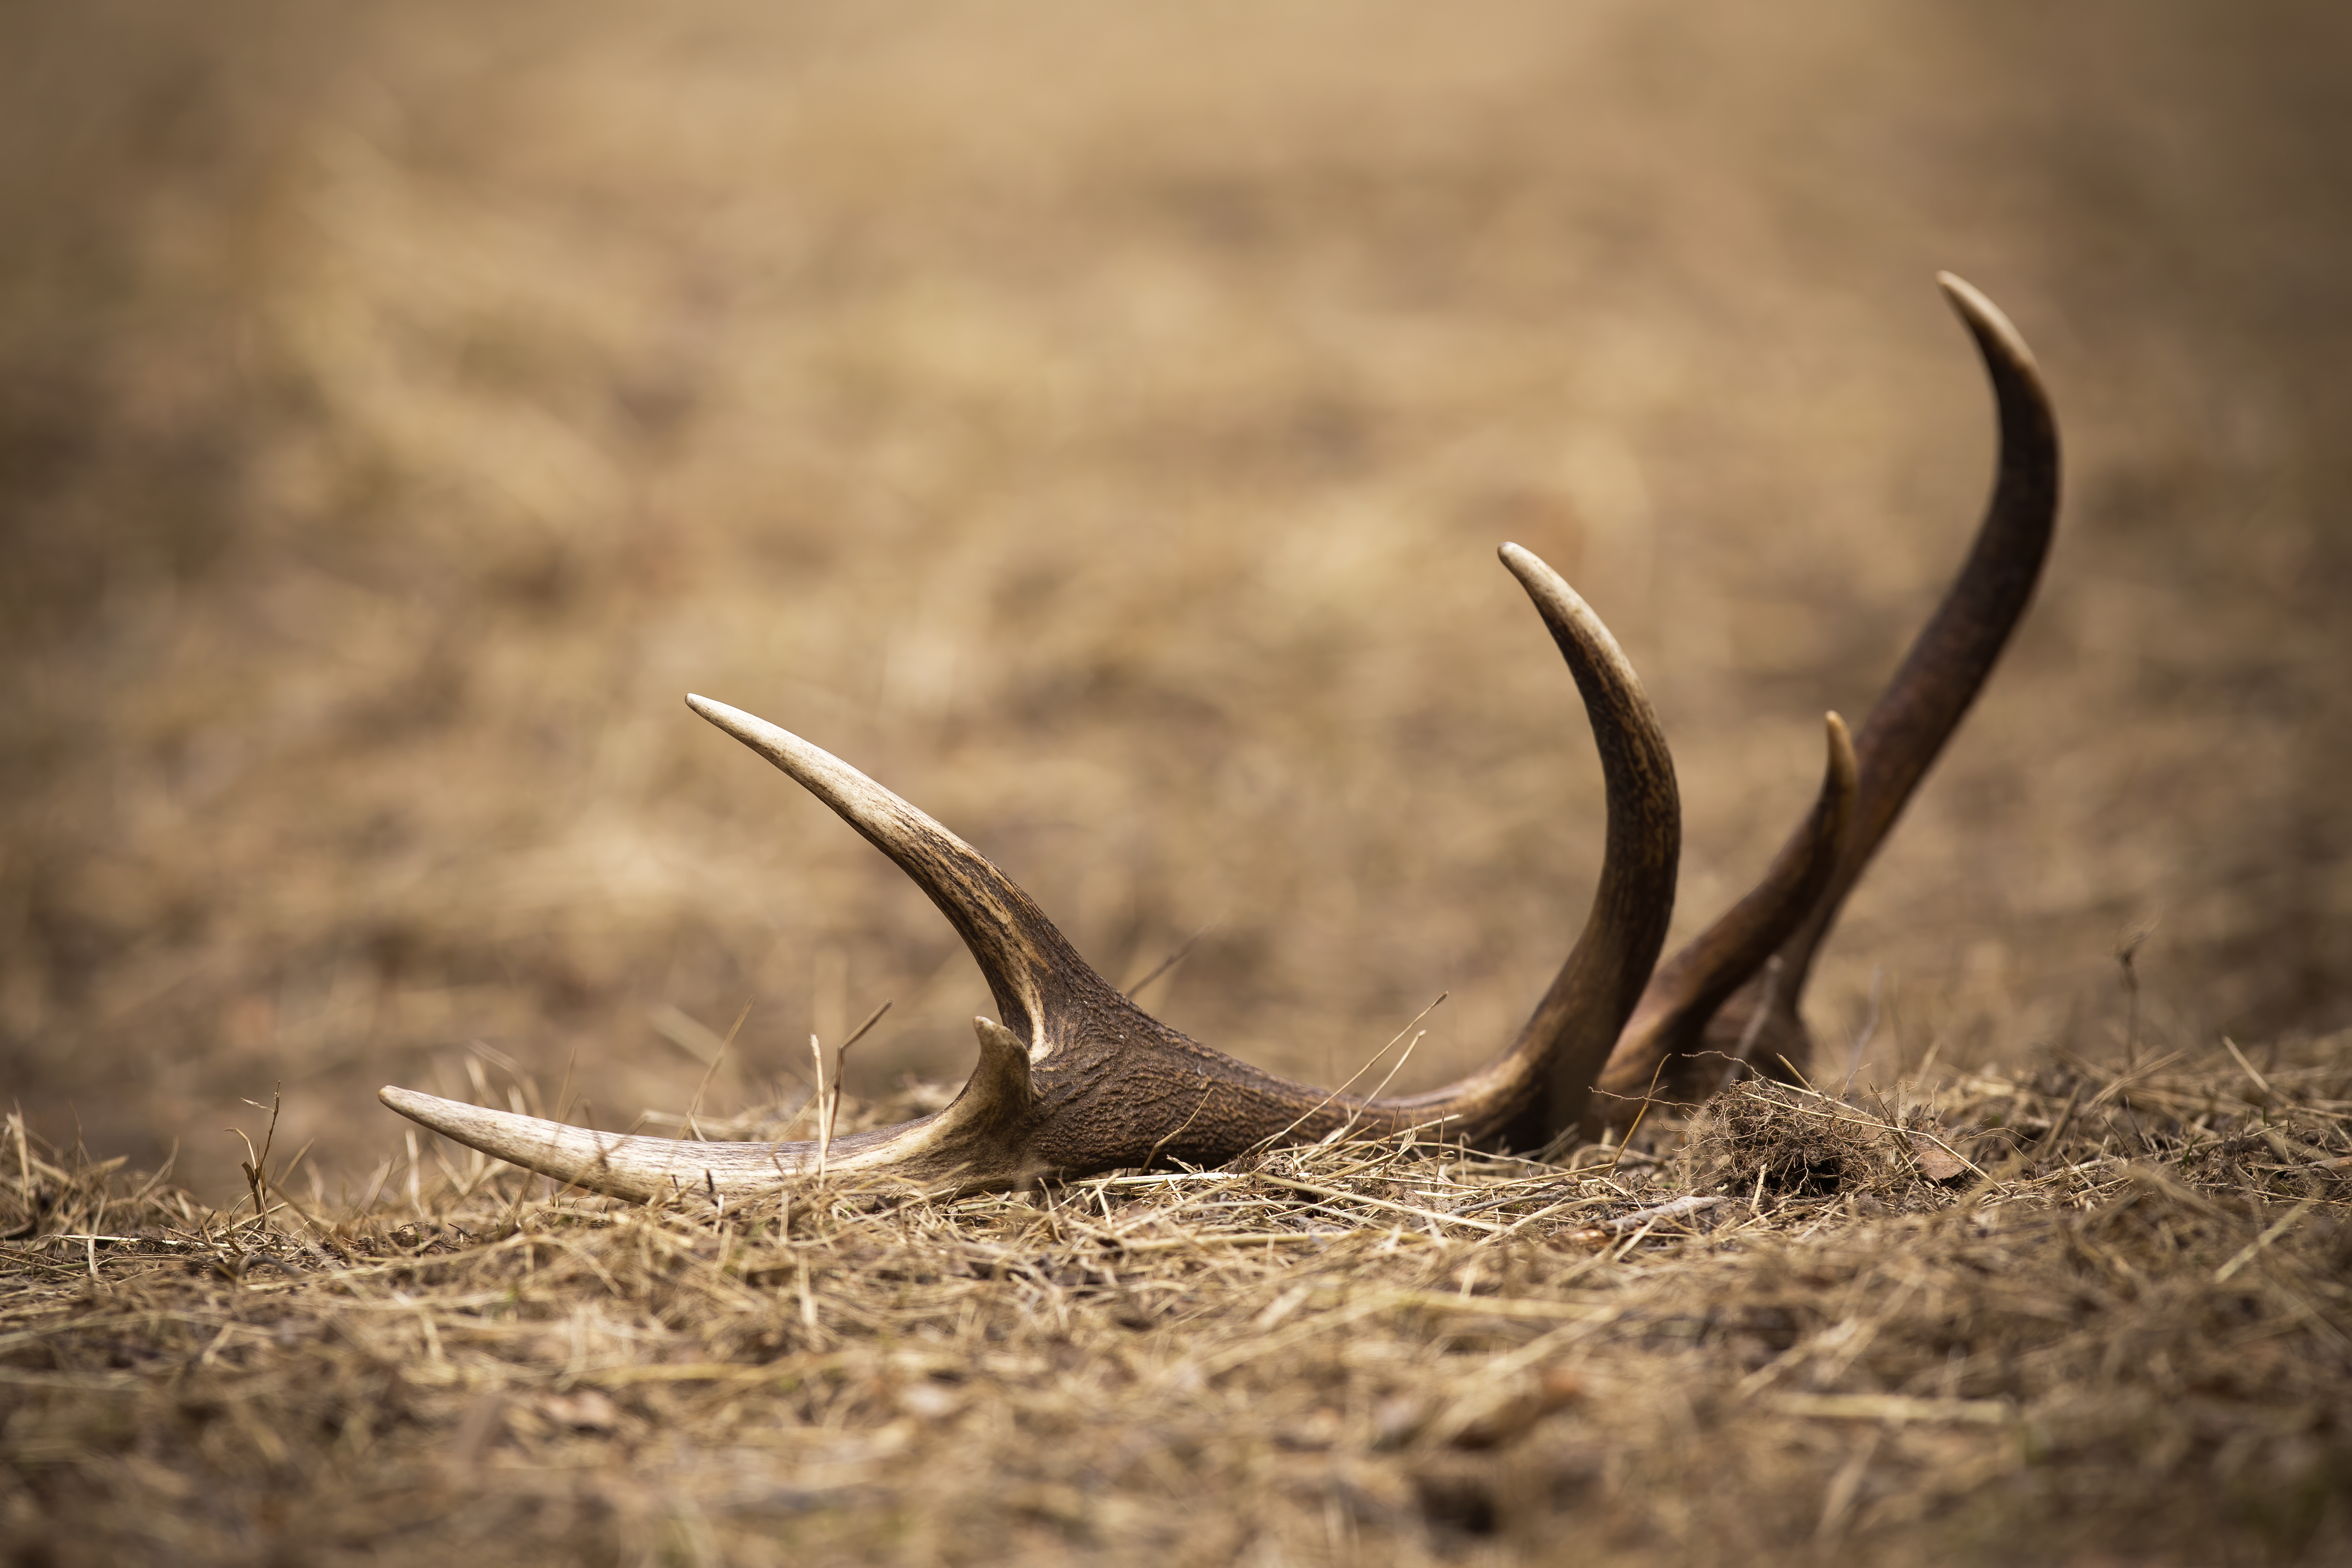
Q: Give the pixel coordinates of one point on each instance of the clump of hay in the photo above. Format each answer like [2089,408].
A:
[1762,1139]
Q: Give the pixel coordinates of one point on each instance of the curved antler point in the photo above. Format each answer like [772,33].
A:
[1985,317]
[1844,768]
[730,719]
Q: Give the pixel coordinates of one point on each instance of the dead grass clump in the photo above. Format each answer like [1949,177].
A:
[1765,1139]
[2123,1334]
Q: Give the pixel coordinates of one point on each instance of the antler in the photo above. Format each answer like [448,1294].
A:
[1732,993]
[1077,1080]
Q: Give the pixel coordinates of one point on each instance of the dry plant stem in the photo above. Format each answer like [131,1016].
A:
[828,1106]
[1077,1079]
[1385,1080]
[255,1165]
[1181,951]
[694,1106]
[823,1122]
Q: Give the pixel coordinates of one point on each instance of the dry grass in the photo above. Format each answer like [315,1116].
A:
[400,411]
[1095,422]
[2128,1340]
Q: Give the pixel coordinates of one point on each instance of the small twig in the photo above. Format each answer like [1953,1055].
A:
[1647,1096]
[1402,1057]
[2124,956]
[2261,1083]
[829,1108]
[1765,999]
[1642,1218]
[2049,1143]
[1183,950]
[694,1105]
[1208,1092]
[1862,1040]
[823,1122]
[257,1165]
[1274,1139]
[1343,1195]
[2254,1248]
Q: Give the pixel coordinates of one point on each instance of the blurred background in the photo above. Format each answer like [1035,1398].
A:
[1096,423]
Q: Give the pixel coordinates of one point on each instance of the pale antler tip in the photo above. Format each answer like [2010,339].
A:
[717,712]
[1534,572]
[814,768]
[1983,316]
[429,1111]
[1563,608]
[450,1118]
[1843,764]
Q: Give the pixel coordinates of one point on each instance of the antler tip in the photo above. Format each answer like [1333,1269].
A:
[451,1118]
[1523,562]
[1843,767]
[1534,574]
[778,745]
[425,1110]
[1984,317]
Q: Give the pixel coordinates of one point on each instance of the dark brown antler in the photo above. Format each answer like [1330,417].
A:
[1734,991]
[1077,1080]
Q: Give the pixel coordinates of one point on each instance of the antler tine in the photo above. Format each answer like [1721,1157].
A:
[1687,990]
[1579,1019]
[1026,962]
[979,1141]
[1955,651]
[1923,704]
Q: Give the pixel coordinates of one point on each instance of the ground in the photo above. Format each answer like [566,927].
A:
[1097,426]
[2082,1316]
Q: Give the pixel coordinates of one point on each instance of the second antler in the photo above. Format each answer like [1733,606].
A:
[1077,1079]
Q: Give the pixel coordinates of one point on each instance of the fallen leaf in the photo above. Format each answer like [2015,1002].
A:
[1936,1162]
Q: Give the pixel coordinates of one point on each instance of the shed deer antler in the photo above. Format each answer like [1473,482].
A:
[1077,1080]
